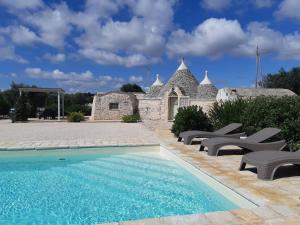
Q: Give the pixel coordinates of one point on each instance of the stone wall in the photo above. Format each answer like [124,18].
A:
[127,106]
[150,109]
[205,104]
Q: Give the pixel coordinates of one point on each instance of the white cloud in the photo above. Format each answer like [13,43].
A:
[109,58]
[52,24]
[139,41]
[57,74]
[288,9]
[282,46]
[7,52]
[260,34]
[20,34]
[55,58]
[21,4]
[135,79]
[82,81]
[212,38]
[216,37]
[216,5]
[263,3]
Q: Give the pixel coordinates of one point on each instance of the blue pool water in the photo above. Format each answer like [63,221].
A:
[92,186]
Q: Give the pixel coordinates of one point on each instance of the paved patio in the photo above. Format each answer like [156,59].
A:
[63,134]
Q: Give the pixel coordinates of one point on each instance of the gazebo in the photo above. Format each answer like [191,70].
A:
[60,96]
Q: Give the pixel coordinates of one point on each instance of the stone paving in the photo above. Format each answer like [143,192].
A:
[35,135]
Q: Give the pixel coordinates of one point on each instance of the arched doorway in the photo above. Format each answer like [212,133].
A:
[172,105]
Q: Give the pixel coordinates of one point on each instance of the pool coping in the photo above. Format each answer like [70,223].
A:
[221,184]
[72,147]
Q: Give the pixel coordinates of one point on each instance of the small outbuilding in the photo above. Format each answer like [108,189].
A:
[231,94]
[113,105]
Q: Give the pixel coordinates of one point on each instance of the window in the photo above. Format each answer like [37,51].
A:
[113,106]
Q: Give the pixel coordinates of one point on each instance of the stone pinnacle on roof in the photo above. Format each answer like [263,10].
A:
[157,82]
[182,65]
[206,80]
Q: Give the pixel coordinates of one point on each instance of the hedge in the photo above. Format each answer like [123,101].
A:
[261,112]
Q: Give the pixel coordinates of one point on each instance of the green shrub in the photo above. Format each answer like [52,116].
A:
[283,113]
[261,112]
[75,117]
[190,118]
[22,109]
[224,113]
[131,118]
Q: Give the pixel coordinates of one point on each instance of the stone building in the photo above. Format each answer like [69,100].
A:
[161,102]
[231,94]
[113,105]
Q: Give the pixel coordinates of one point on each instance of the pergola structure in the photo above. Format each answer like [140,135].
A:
[60,95]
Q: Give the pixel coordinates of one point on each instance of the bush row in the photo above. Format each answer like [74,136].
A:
[254,114]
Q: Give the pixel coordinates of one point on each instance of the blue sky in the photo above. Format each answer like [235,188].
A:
[98,45]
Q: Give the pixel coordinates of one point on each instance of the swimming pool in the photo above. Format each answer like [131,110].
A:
[89,186]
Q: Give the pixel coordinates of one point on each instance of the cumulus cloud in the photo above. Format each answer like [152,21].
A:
[288,9]
[263,3]
[7,52]
[212,38]
[135,79]
[52,24]
[20,34]
[137,42]
[55,58]
[216,5]
[216,37]
[82,81]
[21,4]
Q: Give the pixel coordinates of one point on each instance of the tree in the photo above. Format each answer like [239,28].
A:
[4,106]
[22,108]
[131,88]
[283,79]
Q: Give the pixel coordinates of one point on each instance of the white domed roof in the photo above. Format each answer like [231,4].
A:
[182,66]
[157,82]
[206,80]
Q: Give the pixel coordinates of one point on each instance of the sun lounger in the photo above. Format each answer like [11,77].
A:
[267,162]
[253,142]
[188,136]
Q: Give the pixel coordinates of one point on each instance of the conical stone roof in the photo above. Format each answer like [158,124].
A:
[157,82]
[155,88]
[184,79]
[206,89]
